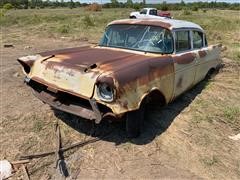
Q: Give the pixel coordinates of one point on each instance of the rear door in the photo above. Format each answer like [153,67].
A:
[184,62]
[208,56]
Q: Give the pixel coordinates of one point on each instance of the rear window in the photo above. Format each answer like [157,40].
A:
[153,12]
[197,39]
[182,41]
[143,11]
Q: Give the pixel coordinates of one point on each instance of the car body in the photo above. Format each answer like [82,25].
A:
[149,13]
[136,61]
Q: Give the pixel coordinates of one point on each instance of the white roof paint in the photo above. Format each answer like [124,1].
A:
[175,24]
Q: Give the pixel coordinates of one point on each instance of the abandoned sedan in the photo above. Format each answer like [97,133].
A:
[136,62]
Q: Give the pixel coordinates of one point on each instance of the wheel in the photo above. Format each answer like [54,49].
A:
[133,17]
[134,121]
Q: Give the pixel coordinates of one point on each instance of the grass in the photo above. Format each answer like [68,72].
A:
[209,161]
[222,26]
[231,116]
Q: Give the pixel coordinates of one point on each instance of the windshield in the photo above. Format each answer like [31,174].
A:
[138,37]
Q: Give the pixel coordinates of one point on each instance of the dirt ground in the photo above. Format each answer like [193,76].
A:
[188,139]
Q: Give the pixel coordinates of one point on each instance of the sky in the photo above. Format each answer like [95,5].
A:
[159,1]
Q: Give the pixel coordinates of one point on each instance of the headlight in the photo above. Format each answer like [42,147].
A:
[105,92]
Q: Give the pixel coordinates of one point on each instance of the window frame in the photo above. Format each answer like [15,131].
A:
[203,43]
[171,32]
[143,10]
[175,40]
[191,39]
[154,11]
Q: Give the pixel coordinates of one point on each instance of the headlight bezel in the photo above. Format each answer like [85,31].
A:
[104,86]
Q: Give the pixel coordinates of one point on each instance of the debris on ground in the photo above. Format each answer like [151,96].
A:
[235,137]
[5,169]
[25,171]
[27,47]
[8,45]
[61,165]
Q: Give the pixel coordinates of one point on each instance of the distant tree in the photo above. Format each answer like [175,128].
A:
[137,6]
[129,3]
[71,4]
[114,3]
[62,3]
[164,6]
[25,4]
[182,3]
[8,6]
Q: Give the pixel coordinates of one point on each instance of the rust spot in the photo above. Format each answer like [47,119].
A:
[179,84]
[144,72]
[53,86]
[202,53]
[125,104]
[106,79]
[185,58]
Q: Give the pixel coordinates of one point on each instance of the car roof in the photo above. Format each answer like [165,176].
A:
[149,8]
[171,24]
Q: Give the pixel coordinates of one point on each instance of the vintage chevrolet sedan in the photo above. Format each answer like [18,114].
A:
[138,61]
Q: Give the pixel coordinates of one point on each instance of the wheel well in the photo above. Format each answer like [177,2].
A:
[210,73]
[154,97]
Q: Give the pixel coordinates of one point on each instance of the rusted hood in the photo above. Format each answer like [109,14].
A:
[77,69]
[92,57]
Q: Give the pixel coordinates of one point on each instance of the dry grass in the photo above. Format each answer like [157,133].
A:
[220,25]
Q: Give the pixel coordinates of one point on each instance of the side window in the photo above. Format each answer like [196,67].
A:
[197,39]
[182,41]
[143,11]
[153,12]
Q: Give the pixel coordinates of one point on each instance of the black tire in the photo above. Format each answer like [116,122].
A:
[133,17]
[134,122]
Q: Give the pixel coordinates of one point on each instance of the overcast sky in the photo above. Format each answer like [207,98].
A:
[158,1]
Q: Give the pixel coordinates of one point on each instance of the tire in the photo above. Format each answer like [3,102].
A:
[134,122]
[133,17]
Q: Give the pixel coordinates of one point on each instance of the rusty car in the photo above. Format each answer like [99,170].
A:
[137,61]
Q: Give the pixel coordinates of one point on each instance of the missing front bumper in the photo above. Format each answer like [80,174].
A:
[91,114]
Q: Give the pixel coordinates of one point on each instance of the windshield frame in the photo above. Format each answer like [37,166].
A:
[145,51]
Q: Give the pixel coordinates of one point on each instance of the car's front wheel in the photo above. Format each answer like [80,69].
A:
[134,122]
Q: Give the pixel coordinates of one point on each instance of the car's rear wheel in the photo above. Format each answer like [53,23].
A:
[134,122]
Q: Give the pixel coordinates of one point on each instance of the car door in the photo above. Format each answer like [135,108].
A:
[184,62]
[208,57]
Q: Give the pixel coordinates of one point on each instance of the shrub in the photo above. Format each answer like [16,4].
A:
[186,12]
[2,13]
[194,8]
[64,29]
[87,21]
[94,7]
[8,6]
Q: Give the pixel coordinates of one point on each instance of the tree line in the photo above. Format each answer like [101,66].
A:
[26,4]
